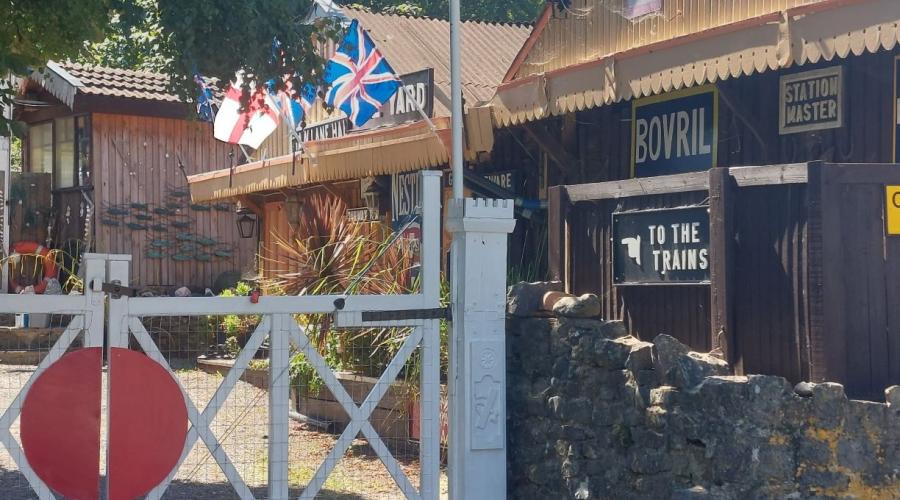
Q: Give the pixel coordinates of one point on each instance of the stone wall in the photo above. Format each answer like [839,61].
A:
[594,413]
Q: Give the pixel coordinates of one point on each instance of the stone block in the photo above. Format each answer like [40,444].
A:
[613,353]
[695,493]
[892,397]
[584,306]
[640,359]
[578,410]
[804,389]
[524,299]
[829,404]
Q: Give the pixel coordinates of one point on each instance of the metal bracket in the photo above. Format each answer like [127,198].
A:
[116,290]
[438,313]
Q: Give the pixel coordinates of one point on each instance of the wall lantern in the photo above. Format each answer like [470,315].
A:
[371,195]
[246,222]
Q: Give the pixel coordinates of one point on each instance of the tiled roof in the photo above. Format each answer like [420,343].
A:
[99,80]
[413,43]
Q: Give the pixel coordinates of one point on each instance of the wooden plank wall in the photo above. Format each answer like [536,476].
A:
[681,311]
[769,301]
[748,125]
[859,291]
[29,207]
[280,211]
[135,159]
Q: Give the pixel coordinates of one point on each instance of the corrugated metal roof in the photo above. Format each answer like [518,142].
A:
[413,43]
[591,29]
[807,33]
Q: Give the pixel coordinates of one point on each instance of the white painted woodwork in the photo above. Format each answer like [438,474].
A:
[477,379]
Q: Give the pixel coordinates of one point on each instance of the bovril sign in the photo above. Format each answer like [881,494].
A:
[661,246]
[675,132]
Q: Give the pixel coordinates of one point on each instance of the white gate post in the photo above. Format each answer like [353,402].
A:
[477,382]
[5,171]
[430,376]
[117,268]
[279,406]
[93,275]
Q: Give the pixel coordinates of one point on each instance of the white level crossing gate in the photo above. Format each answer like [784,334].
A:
[130,326]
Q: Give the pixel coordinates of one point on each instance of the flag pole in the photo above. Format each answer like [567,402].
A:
[456,154]
[409,95]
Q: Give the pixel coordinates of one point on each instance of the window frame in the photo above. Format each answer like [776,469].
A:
[80,175]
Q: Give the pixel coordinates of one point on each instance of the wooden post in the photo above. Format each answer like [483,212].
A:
[818,369]
[830,347]
[558,234]
[722,190]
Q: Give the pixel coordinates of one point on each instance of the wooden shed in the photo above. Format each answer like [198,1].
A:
[116,148]
[707,116]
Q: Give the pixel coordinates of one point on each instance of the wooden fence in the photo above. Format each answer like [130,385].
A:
[802,271]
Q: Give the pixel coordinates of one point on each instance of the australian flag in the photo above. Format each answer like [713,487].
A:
[361,79]
[205,100]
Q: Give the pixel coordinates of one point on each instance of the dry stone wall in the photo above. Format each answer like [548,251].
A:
[595,413]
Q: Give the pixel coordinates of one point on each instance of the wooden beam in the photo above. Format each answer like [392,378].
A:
[557,234]
[722,191]
[551,146]
[678,183]
[793,173]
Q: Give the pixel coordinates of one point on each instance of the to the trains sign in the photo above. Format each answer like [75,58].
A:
[661,246]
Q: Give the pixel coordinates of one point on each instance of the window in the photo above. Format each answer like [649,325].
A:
[40,148]
[61,148]
[64,166]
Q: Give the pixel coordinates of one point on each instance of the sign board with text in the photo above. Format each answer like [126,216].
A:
[674,133]
[328,129]
[810,100]
[664,246]
[892,209]
[417,92]
[506,179]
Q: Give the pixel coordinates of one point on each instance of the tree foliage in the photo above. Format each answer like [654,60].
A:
[134,40]
[214,38]
[33,32]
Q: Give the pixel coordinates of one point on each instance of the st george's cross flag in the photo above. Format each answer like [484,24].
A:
[361,79]
[250,126]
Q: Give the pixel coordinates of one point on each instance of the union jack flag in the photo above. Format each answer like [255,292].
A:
[361,78]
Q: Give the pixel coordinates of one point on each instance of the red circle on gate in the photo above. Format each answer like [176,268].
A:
[60,424]
[147,424]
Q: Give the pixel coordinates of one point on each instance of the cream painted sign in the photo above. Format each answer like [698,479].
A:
[810,100]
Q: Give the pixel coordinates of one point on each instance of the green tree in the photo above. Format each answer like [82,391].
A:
[214,38]
[32,32]
[135,42]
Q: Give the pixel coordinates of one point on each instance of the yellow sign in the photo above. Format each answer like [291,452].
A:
[892,210]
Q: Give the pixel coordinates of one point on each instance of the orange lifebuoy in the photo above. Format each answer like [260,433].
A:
[35,249]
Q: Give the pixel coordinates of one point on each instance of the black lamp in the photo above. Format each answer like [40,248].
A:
[246,222]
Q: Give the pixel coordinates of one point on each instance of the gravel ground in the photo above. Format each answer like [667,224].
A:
[241,427]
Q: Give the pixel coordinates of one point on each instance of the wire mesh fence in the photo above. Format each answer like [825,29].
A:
[201,350]
[25,340]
